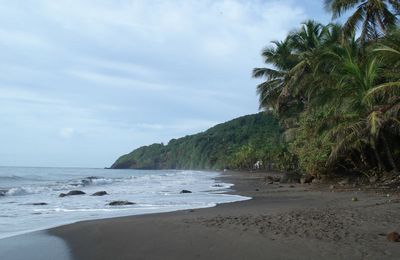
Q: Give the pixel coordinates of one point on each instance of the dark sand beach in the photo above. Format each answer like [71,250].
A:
[282,221]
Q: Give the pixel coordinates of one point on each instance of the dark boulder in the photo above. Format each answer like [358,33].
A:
[277,179]
[39,204]
[100,193]
[308,178]
[75,192]
[269,180]
[393,237]
[186,191]
[120,203]
[315,180]
[291,177]
[72,193]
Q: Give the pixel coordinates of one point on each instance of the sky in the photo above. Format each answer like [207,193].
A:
[83,82]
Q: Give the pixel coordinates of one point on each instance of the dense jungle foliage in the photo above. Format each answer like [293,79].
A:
[336,89]
[238,143]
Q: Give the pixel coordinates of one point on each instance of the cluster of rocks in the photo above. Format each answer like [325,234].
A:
[101,193]
[290,177]
[98,193]
[79,192]
[272,179]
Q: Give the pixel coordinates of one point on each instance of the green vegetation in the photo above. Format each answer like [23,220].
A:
[238,143]
[337,96]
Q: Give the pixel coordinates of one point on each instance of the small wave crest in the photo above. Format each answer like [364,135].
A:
[93,180]
[18,191]
[59,186]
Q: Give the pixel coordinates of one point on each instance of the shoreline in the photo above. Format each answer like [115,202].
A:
[126,211]
[281,221]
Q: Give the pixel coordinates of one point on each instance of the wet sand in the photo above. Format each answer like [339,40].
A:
[37,245]
[282,221]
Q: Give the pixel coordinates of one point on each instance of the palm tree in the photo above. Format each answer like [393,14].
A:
[306,42]
[281,58]
[291,60]
[389,49]
[366,110]
[374,17]
[349,91]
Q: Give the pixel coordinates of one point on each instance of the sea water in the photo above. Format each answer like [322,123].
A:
[151,191]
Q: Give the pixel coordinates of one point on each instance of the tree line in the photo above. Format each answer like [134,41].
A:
[335,89]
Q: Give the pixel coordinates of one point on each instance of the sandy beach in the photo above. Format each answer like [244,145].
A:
[282,221]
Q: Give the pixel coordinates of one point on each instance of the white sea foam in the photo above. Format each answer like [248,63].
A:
[152,191]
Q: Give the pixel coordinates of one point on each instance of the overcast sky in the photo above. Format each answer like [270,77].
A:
[83,82]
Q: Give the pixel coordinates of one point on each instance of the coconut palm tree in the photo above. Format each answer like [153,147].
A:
[291,60]
[388,49]
[364,115]
[281,58]
[373,17]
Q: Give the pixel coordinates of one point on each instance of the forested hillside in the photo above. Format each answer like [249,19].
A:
[238,143]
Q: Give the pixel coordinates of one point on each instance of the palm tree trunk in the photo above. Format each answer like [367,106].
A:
[389,154]
[378,158]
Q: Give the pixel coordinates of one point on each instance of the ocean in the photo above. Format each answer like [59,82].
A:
[29,196]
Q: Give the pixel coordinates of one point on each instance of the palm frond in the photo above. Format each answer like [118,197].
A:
[384,90]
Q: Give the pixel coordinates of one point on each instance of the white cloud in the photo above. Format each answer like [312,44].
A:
[130,68]
[116,81]
[18,94]
[180,23]
[180,126]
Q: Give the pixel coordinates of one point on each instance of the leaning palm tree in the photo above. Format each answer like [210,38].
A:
[373,17]
[281,57]
[291,60]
